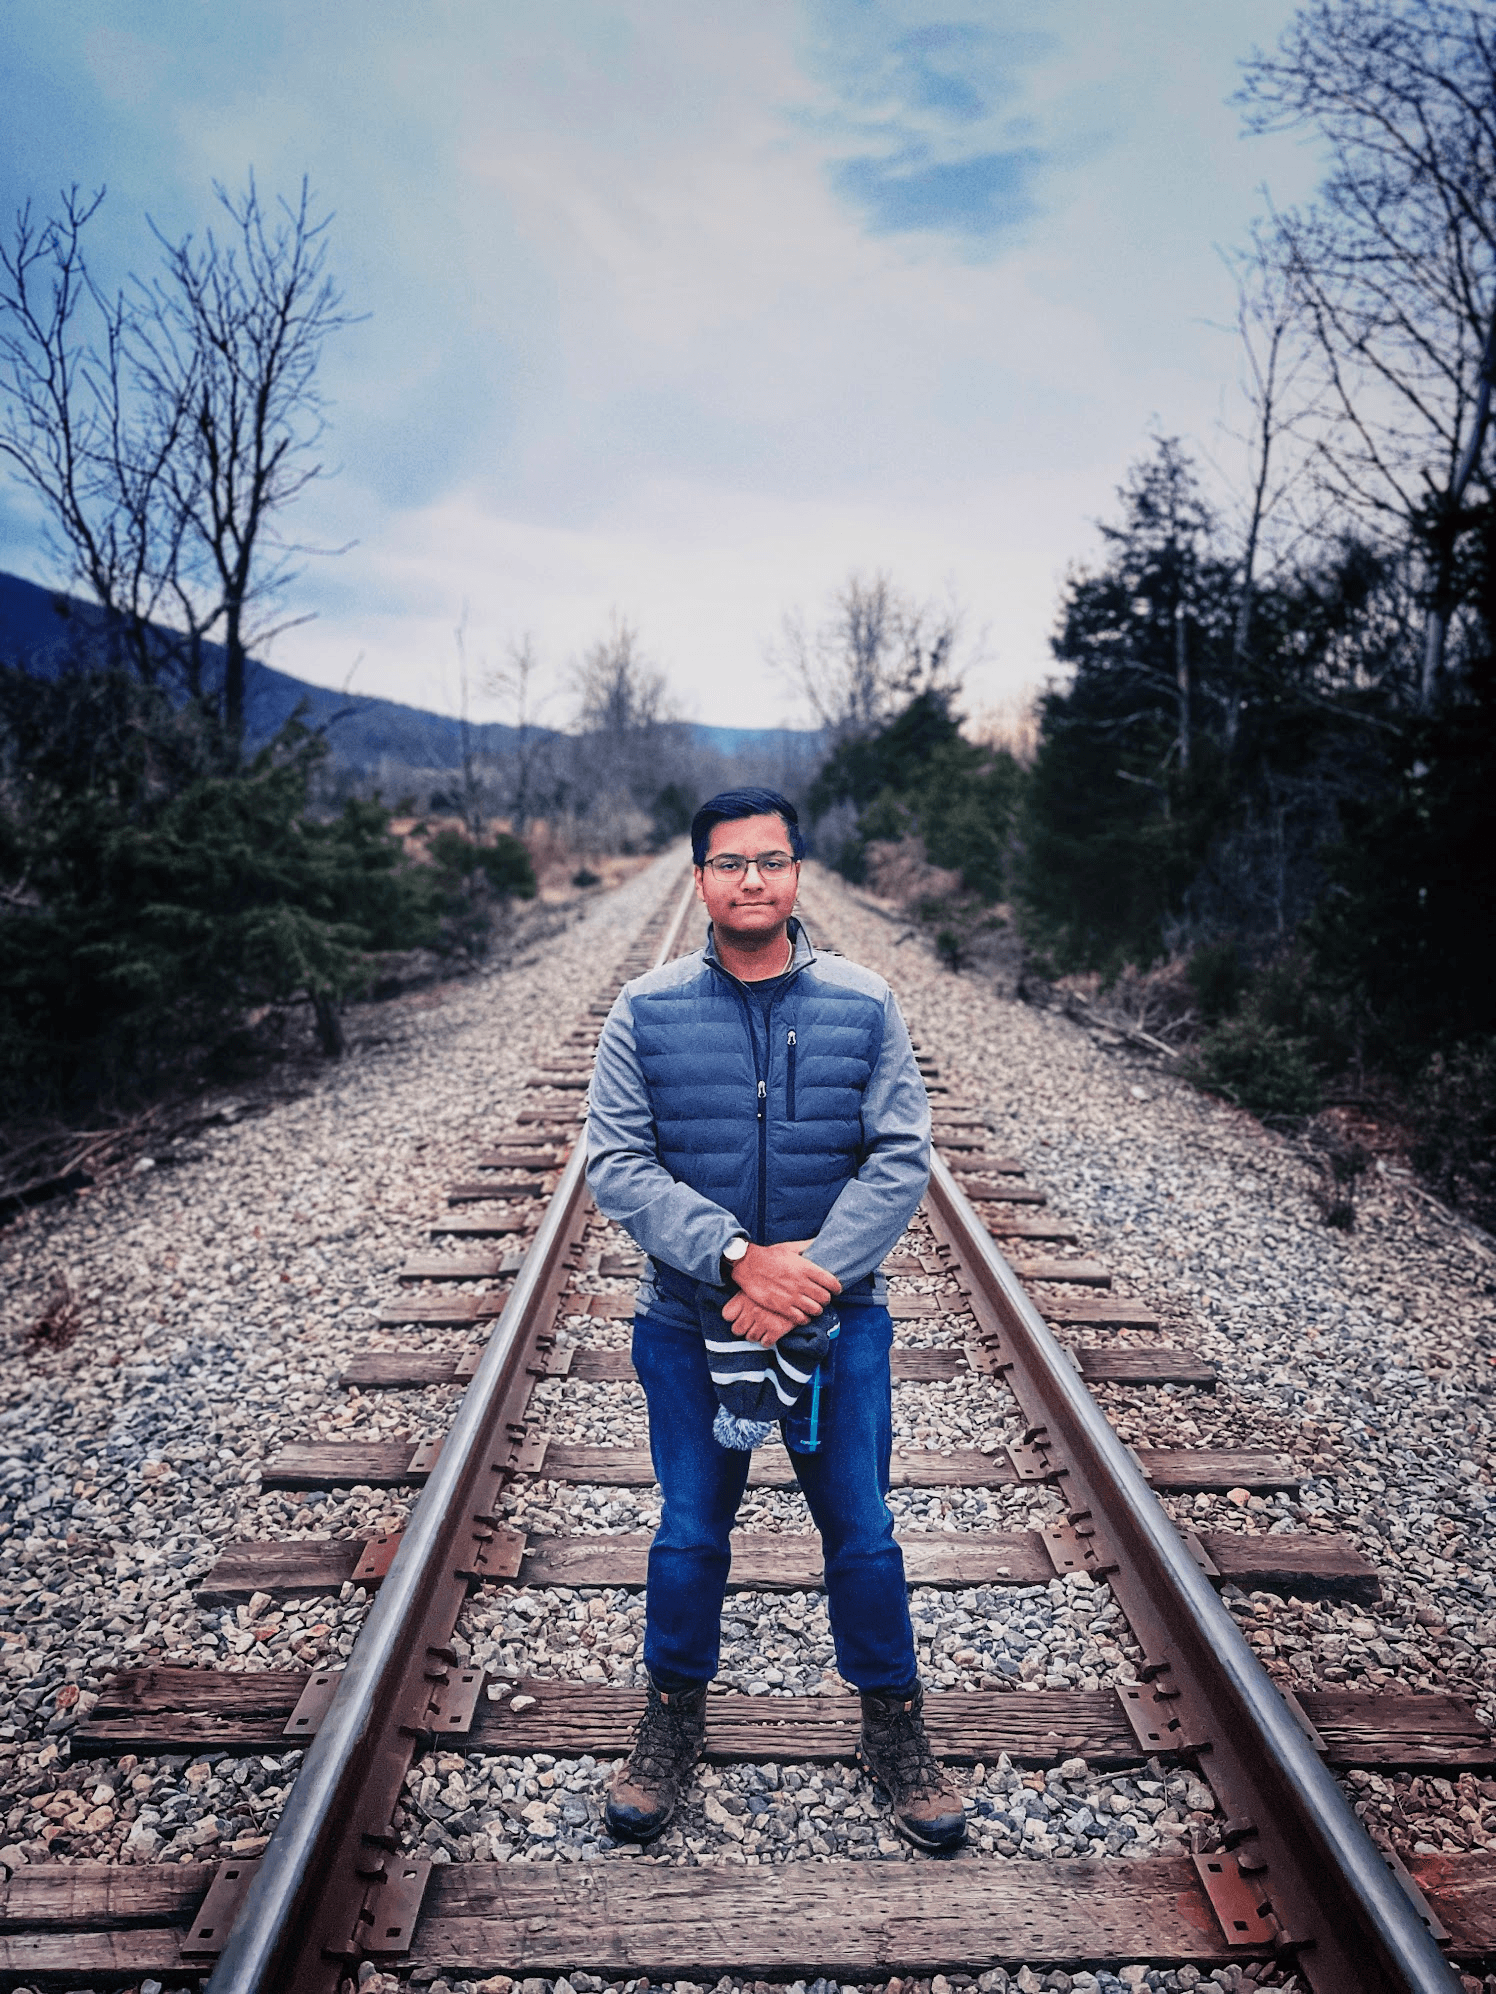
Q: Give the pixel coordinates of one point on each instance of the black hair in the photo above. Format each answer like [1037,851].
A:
[733,803]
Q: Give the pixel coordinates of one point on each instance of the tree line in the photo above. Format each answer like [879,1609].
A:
[1275,755]
[1269,760]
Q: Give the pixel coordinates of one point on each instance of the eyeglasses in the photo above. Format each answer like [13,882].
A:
[727,865]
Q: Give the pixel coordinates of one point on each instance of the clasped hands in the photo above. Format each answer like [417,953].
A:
[777,1290]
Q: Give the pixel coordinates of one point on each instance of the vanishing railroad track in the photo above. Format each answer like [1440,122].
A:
[1287,1875]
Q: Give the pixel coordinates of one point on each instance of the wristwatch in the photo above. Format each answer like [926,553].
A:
[732,1253]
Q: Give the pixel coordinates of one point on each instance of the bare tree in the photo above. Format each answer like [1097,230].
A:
[625,745]
[874,651]
[515,684]
[1279,388]
[80,433]
[166,430]
[619,693]
[1396,264]
[1270,325]
[249,317]
[472,788]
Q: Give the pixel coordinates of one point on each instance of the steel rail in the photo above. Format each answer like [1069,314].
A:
[336,1821]
[1339,1910]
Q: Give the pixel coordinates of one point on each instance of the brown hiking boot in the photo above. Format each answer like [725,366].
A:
[643,1792]
[894,1751]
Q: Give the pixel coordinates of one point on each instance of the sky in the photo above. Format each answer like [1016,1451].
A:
[682,314]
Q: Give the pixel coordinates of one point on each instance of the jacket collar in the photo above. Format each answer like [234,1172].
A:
[802,957]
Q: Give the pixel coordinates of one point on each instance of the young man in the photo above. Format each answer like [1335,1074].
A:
[758,1124]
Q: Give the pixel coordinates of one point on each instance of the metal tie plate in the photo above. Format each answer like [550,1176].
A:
[216,1914]
[454,1696]
[313,1703]
[376,1558]
[529,1458]
[1159,1717]
[386,1920]
[1305,1722]
[1071,1550]
[1240,1905]
[1203,1559]
[1031,1463]
[497,1552]
[1436,1928]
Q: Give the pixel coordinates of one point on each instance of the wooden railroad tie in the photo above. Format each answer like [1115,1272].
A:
[445,1308]
[170,1709]
[1137,1364]
[1080,1273]
[481,1225]
[1308,1564]
[489,1265]
[1002,1191]
[1079,1310]
[329,1464]
[1003,1223]
[85,1923]
[481,1193]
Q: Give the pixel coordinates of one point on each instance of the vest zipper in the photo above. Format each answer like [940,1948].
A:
[763,1158]
[789,1082]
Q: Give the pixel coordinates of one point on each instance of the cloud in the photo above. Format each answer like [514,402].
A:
[686,311]
[917,114]
[929,62]
[984,196]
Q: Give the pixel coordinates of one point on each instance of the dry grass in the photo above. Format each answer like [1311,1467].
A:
[61,1319]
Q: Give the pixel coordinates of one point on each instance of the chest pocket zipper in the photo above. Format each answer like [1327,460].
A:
[789,1084]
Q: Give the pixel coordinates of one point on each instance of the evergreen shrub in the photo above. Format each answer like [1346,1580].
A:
[1455,1117]
[1258,1065]
[152,898]
[471,876]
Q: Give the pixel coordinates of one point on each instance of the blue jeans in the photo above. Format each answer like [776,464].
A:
[844,1484]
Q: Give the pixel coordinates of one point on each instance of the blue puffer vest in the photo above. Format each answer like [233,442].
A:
[773,1143]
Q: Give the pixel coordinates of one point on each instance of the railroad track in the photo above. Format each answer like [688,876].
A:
[1283,1877]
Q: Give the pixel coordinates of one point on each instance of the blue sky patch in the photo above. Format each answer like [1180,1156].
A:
[927,115]
[983,197]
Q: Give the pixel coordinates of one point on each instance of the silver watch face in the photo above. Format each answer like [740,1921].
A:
[735,1249]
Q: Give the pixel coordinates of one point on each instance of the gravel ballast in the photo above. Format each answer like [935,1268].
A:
[1365,1355]
[222,1296]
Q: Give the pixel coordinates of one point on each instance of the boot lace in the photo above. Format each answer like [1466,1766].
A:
[904,1756]
[661,1740]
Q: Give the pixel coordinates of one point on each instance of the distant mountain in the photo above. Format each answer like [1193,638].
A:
[733,742]
[42,628]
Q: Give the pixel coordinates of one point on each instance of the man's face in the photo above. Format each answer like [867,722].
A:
[746,904]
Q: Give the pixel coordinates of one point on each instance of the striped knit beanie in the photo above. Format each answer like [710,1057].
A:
[757,1387]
